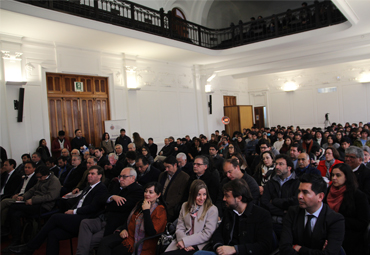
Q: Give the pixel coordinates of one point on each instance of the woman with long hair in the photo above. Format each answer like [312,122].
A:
[339,136]
[264,170]
[146,153]
[107,144]
[345,198]
[241,160]
[231,150]
[43,150]
[138,141]
[331,142]
[286,146]
[148,218]
[197,221]
[326,166]
[195,149]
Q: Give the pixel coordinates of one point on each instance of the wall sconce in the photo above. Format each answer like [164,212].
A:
[290,86]
[131,78]
[364,77]
[13,68]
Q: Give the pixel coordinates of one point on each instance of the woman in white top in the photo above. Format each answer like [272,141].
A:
[197,221]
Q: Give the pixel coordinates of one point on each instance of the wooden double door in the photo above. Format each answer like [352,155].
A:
[70,110]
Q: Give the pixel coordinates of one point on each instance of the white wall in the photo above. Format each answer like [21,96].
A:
[307,107]
[169,101]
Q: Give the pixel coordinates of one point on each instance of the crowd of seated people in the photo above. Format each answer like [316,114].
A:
[308,189]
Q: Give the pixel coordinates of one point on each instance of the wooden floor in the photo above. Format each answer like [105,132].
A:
[65,248]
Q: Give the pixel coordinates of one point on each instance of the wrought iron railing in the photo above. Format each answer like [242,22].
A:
[138,17]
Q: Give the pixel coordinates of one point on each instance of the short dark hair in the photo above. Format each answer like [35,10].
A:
[50,160]
[266,142]
[318,183]
[77,130]
[297,145]
[43,170]
[27,155]
[131,155]
[61,133]
[99,148]
[99,168]
[122,129]
[37,153]
[170,160]
[150,139]
[62,158]
[239,187]
[213,146]
[11,162]
[143,159]
[32,163]
[288,160]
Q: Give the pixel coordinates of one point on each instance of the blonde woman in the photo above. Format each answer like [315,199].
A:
[196,223]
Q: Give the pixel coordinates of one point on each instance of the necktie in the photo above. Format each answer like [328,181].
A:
[85,191]
[25,178]
[308,231]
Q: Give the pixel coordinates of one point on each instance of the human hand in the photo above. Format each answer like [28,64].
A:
[145,205]
[297,247]
[69,212]
[119,200]
[225,250]
[20,198]
[190,248]
[180,245]
[29,202]
[123,234]
[325,244]
[76,190]
[261,190]
[15,197]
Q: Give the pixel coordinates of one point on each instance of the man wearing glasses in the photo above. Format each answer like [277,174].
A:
[121,200]
[280,191]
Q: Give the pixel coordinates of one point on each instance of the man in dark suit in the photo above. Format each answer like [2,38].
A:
[152,147]
[64,168]
[119,151]
[62,226]
[20,168]
[28,181]
[124,140]
[354,158]
[73,177]
[78,142]
[304,166]
[36,157]
[10,180]
[51,164]
[174,182]
[183,164]
[122,198]
[145,172]
[245,227]
[312,227]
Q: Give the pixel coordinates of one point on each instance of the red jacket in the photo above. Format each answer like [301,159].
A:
[322,166]
[55,146]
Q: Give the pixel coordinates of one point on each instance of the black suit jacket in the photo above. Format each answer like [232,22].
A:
[153,150]
[363,179]
[94,201]
[117,215]
[74,178]
[12,185]
[329,226]
[152,176]
[30,184]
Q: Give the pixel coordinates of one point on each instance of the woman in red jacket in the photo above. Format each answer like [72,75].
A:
[326,166]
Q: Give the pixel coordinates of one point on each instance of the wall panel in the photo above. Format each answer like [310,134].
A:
[354,102]
[169,112]
[303,107]
[327,103]
[280,109]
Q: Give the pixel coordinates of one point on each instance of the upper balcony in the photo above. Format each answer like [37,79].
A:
[137,17]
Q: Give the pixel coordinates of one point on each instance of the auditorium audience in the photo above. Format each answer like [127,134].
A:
[59,143]
[195,173]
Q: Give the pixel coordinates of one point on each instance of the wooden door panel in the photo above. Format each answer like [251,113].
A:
[55,116]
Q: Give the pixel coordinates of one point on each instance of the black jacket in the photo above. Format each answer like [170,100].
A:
[329,227]
[278,199]
[363,179]
[151,176]
[254,231]
[12,185]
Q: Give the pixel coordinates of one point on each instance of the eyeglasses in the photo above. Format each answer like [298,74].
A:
[231,147]
[197,164]
[123,176]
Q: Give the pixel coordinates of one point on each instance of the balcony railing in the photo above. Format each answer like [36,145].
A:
[135,16]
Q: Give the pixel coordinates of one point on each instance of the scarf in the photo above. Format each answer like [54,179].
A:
[266,173]
[328,164]
[193,214]
[335,197]
[139,226]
